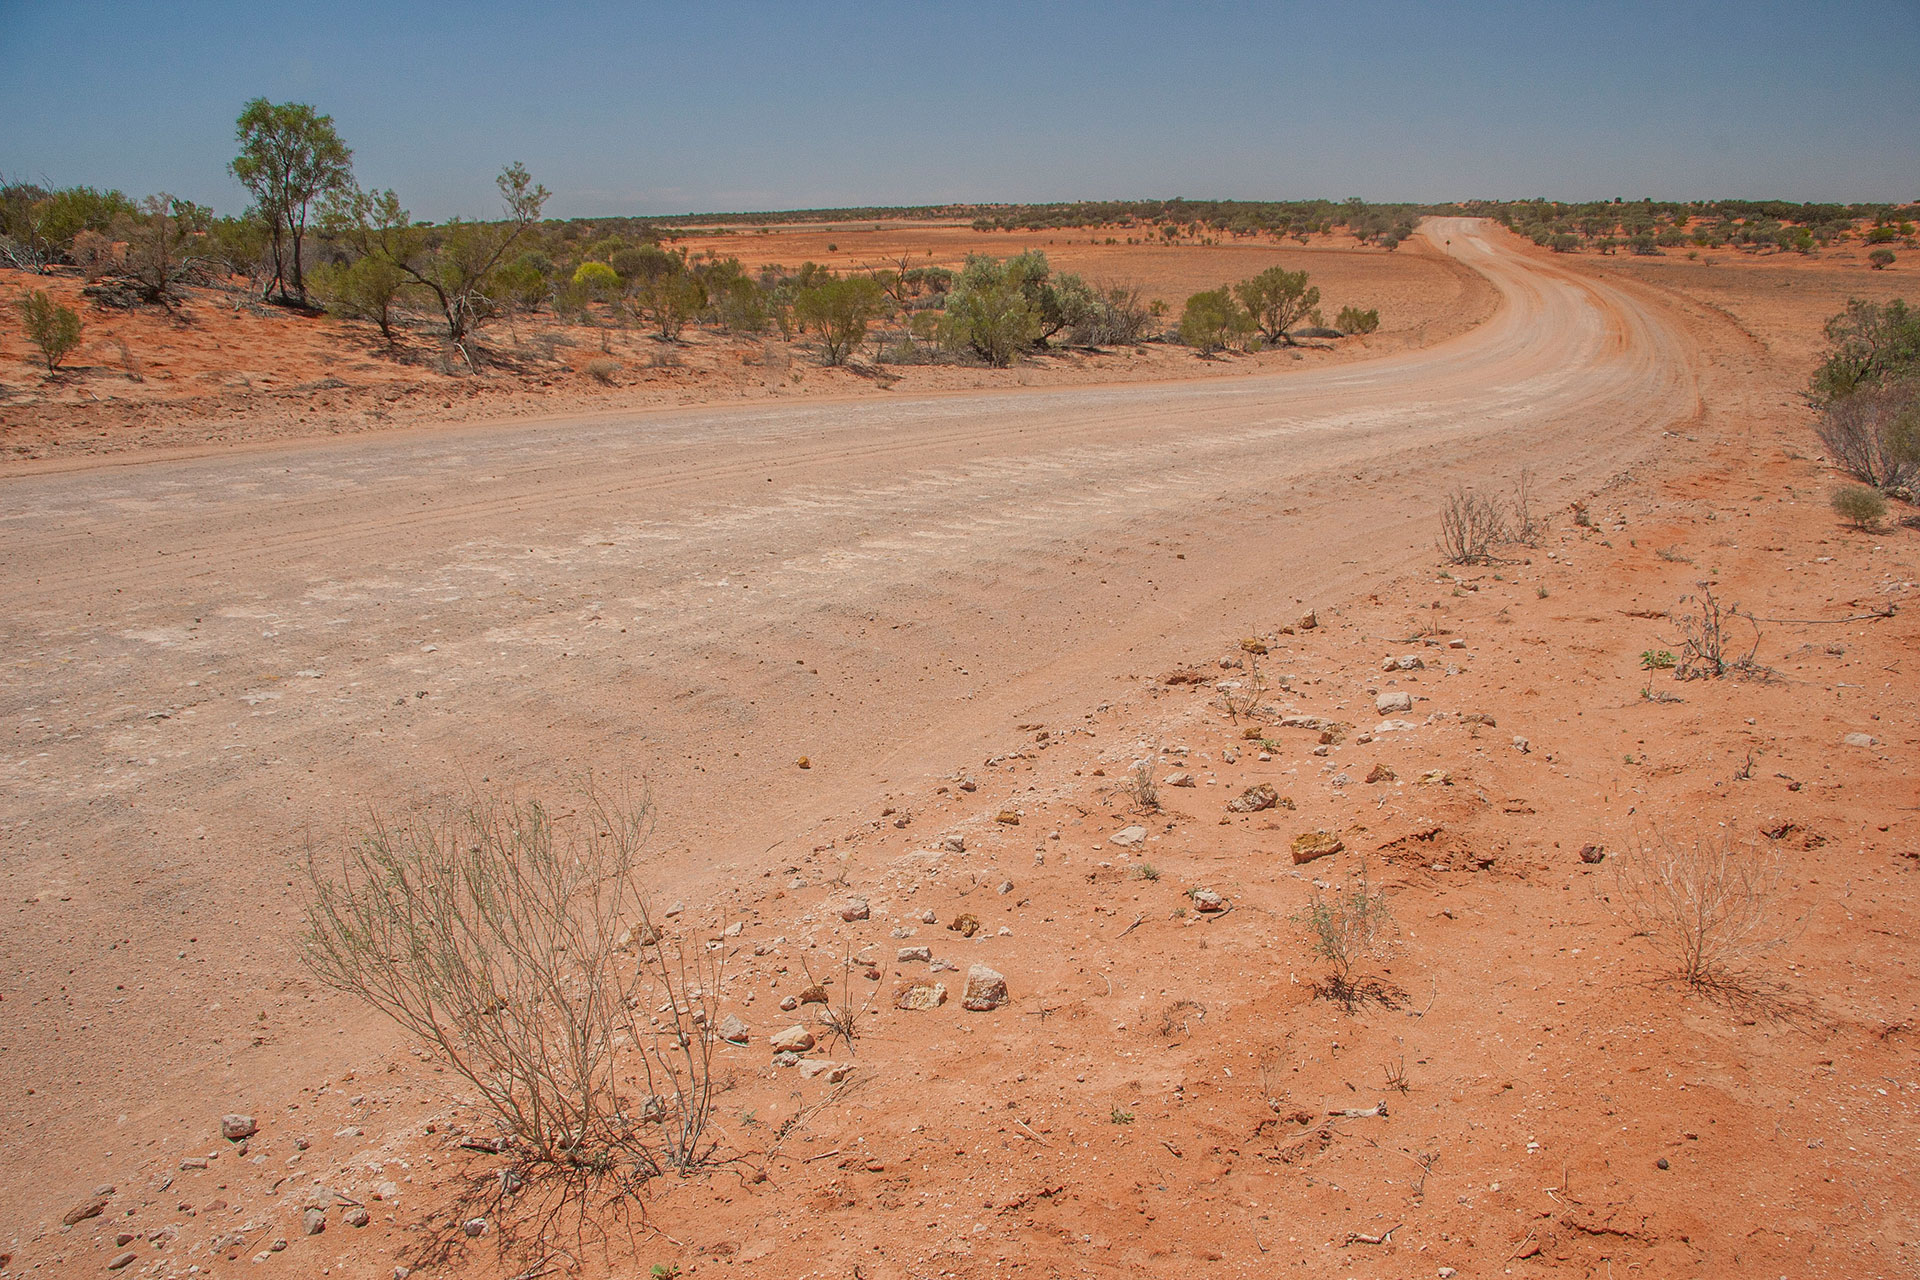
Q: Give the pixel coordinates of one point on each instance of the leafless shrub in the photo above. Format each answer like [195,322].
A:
[513,942]
[97,255]
[1471,525]
[1874,434]
[601,370]
[1528,528]
[129,362]
[1146,791]
[1704,623]
[1241,697]
[1706,906]
[840,1015]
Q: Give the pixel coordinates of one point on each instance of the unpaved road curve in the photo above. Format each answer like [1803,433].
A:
[211,661]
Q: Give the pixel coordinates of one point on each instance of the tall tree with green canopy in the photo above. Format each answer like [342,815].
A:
[1277,299]
[289,158]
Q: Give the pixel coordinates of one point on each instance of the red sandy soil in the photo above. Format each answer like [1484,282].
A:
[998,618]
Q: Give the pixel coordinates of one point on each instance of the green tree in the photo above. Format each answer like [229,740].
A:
[988,313]
[456,262]
[1212,319]
[840,311]
[366,289]
[1276,299]
[290,157]
[1873,344]
[54,329]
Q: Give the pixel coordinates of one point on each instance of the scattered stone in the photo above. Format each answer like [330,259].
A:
[1254,799]
[789,1004]
[734,930]
[920,996]
[1456,643]
[1127,837]
[1181,779]
[795,1039]
[986,989]
[194,1162]
[1591,853]
[732,1030]
[928,917]
[235,1127]
[1004,888]
[1254,646]
[968,784]
[1661,1163]
[1395,700]
[279,1245]
[1380,773]
[1860,740]
[84,1210]
[835,1072]
[676,908]
[965,925]
[1007,817]
[907,955]
[1231,755]
[815,994]
[122,1239]
[1315,844]
[1308,621]
[785,1059]
[474,1227]
[1208,900]
[126,1259]
[953,844]
[1405,662]
[358,1216]
[804,763]
[1478,717]
[1521,745]
[854,909]
[314,1221]
[387,1191]
[1394,726]
[1436,778]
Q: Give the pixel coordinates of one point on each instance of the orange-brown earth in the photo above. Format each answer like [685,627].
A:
[959,606]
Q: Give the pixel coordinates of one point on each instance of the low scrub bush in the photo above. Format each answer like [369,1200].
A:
[53,328]
[1705,906]
[1873,434]
[1345,928]
[1859,506]
[1471,525]
[510,939]
[601,370]
[1354,320]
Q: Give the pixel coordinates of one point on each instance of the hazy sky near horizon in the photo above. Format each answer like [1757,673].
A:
[656,109]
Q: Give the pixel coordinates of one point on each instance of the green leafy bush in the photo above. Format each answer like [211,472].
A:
[1212,320]
[54,329]
[1354,320]
[1858,505]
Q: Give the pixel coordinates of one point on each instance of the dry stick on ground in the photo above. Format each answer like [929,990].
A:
[1355,1237]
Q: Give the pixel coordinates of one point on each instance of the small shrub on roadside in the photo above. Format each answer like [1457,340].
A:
[1470,526]
[1706,906]
[53,328]
[1880,259]
[1354,320]
[1345,928]
[1859,506]
[601,370]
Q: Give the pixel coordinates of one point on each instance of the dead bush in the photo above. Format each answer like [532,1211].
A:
[1471,525]
[601,370]
[1706,905]
[1704,639]
[513,942]
[1874,434]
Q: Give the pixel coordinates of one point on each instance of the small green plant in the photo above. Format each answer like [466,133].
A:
[54,329]
[1344,928]
[1657,660]
[1121,1116]
[663,1270]
[1540,593]
[1859,506]
[1146,871]
[1354,320]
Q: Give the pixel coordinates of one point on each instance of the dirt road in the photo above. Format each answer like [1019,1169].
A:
[213,661]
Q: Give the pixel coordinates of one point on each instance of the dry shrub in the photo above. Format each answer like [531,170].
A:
[601,370]
[1704,624]
[1471,525]
[1706,906]
[513,942]
[1858,505]
[1141,782]
[1874,434]
[1344,928]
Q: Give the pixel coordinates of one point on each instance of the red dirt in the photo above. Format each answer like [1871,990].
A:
[1017,591]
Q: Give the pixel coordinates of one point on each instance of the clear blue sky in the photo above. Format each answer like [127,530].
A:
[636,108]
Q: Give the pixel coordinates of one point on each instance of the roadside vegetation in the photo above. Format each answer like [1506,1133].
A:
[315,240]
[1867,391]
